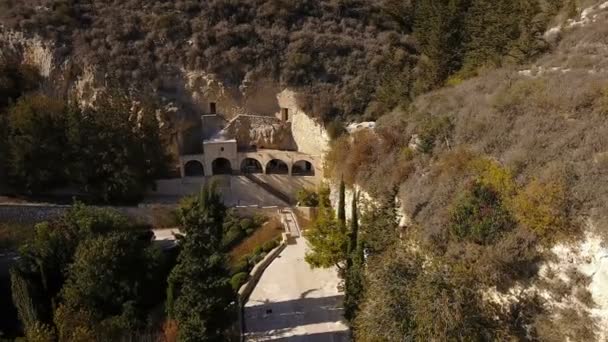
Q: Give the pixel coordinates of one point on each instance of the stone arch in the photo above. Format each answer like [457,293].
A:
[194,168]
[251,165]
[302,168]
[277,167]
[221,166]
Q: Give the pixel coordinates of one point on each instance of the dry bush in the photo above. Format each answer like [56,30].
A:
[170,331]
[543,208]
[349,154]
[565,324]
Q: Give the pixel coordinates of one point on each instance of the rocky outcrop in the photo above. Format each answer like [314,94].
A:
[310,136]
[15,46]
[261,131]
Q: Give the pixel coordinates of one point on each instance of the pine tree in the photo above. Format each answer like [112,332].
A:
[200,283]
[438,28]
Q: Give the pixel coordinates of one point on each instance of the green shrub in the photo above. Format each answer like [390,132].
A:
[270,245]
[542,206]
[259,220]
[479,215]
[307,198]
[432,130]
[238,280]
[257,257]
[240,267]
[233,236]
[247,224]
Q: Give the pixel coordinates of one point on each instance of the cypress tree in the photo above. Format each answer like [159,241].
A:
[354,231]
[342,204]
[23,298]
[355,264]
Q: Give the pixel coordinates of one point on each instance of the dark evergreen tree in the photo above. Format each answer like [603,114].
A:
[200,296]
[353,282]
[37,143]
[438,28]
[342,204]
[380,223]
[354,230]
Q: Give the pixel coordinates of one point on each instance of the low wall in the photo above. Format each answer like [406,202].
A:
[155,215]
[254,277]
[237,190]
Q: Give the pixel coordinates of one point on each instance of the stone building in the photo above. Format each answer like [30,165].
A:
[285,143]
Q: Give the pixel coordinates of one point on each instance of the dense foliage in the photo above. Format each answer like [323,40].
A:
[348,58]
[200,297]
[112,152]
[89,275]
[490,175]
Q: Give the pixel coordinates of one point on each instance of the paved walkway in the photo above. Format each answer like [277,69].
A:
[292,302]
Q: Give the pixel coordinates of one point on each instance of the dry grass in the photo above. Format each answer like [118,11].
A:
[268,232]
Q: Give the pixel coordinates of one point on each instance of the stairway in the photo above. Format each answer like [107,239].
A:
[269,188]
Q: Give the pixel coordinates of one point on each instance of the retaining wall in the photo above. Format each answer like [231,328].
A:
[155,215]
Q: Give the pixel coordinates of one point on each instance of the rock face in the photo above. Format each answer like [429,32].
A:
[188,94]
[261,132]
[29,50]
[309,135]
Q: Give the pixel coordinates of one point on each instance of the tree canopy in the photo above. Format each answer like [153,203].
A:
[200,296]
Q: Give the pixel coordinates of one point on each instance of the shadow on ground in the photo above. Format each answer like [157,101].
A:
[303,319]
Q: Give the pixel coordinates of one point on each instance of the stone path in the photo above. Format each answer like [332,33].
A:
[293,302]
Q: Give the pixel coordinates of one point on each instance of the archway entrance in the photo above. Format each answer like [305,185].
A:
[250,165]
[194,168]
[277,167]
[302,168]
[221,166]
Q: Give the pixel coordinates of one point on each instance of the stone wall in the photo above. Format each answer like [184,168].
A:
[155,215]
[310,136]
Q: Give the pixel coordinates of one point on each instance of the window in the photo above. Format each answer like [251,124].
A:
[212,109]
[222,149]
[285,114]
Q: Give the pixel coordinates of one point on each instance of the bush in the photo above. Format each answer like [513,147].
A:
[270,245]
[234,235]
[307,198]
[479,215]
[432,130]
[242,266]
[259,220]
[247,224]
[238,280]
[335,129]
[542,207]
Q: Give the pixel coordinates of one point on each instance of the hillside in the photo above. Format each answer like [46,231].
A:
[477,191]
[317,46]
[349,59]
[502,181]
